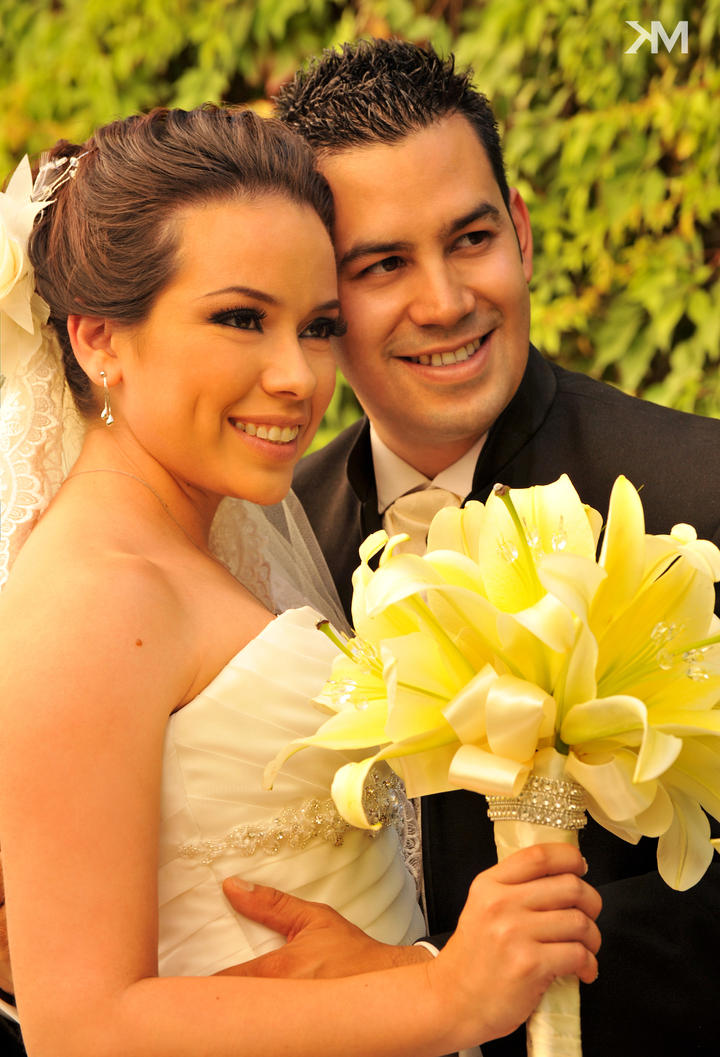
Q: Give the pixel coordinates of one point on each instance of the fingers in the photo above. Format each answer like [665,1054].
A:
[540,860]
[565,926]
[551,874]
[544,877]
[536,902]
[570,959]
[561,893]
[320,942]
[279,911]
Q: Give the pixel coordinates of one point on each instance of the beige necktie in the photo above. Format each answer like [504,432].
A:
[413,512]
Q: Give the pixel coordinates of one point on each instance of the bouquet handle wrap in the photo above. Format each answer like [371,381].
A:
[549,808]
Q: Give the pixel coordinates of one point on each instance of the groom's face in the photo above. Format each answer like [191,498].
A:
[433,276]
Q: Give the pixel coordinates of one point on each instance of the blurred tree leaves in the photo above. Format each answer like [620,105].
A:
[617,155]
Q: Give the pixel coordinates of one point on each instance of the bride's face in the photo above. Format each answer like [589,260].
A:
[227,379]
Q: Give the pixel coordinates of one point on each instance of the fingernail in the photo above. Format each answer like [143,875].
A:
[585,864]
[240,882]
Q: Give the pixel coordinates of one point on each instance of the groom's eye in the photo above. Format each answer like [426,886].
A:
[387,264]
[473,238]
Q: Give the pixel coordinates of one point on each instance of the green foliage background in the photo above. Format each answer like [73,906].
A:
[617,155]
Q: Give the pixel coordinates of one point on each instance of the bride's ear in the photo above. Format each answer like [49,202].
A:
[91,339]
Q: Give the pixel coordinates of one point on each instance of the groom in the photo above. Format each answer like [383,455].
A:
[434,259]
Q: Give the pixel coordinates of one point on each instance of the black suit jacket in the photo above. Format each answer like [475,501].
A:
[657,992]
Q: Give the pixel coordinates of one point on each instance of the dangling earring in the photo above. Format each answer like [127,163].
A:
[106,414]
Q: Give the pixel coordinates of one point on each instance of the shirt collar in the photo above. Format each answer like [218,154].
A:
[394,477]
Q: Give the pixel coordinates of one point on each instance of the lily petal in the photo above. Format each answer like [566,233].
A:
[685,851]
[622,552]
[609,780]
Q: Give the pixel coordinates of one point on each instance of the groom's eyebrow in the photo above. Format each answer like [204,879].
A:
[482,211]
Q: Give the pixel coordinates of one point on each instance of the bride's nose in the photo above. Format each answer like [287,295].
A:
[288,371]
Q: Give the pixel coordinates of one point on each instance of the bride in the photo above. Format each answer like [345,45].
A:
[146,677]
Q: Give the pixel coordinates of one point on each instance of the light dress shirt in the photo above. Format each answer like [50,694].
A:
[393,478]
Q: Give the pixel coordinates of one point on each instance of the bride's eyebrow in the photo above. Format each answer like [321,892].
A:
[245,291]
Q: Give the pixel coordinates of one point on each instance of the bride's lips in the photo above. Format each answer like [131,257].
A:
[278,438]
[275,434]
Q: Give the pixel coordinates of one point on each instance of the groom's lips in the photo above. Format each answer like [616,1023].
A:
[450,356]
[456,359]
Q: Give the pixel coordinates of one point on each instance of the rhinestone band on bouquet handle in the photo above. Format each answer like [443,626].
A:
[522,658]
[548,808]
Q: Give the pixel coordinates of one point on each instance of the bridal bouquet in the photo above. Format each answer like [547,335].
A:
[516,661]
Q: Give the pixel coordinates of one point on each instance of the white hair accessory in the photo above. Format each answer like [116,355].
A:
[52,174]
[40,429]
[22,310]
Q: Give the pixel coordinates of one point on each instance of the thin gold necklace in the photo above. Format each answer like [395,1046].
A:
[161,501]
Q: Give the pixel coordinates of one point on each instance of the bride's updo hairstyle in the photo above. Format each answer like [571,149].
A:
[107,245]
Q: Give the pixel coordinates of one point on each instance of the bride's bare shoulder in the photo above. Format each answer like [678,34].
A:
[80,590]
[74,592]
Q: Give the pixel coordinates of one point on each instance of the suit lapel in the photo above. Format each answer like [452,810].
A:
[501,459]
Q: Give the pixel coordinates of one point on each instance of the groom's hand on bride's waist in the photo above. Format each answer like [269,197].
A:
[320,942]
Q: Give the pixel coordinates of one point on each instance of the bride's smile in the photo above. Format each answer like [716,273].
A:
[225,382]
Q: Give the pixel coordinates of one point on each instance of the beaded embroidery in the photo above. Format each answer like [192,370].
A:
[545,801]
[295,827]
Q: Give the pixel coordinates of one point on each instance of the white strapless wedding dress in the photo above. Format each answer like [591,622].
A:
[218,820]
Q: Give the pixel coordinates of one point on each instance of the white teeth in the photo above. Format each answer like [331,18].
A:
[275,434]
[441,359]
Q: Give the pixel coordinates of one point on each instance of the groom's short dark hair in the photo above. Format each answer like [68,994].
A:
[379,91]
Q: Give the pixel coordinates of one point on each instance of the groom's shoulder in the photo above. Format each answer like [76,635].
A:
[327,468]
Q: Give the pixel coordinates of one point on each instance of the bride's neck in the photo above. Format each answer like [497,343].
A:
[190,508]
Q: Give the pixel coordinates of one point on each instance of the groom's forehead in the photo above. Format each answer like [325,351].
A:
[370,178]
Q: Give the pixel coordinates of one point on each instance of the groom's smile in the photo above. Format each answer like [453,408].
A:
[433,274]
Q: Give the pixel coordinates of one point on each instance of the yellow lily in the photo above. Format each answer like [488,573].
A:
[509,637]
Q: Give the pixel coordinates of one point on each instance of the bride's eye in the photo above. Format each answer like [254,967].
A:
[325,327]
[240,318]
